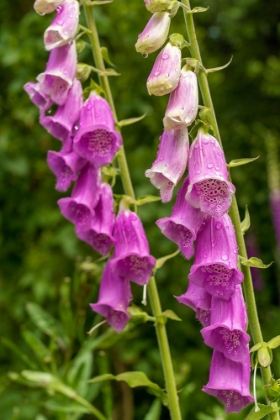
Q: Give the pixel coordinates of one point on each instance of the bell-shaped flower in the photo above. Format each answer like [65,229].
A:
[58,77]
[226,332]
[155,33]
[230,382]
[46,6]
[65,164]
[183,102]
[62,123]
[79,208]
[37,96]
[100,233]
[171,162]
[165,74]
[199,300]
[114,297]
[183,224]
[209,187]
[96,138]
[132,259]
[64,26]
[215,263]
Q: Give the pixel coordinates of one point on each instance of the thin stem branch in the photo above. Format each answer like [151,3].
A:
[166,360]
[234,213]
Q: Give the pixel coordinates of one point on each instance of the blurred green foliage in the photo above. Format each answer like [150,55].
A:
[48,277]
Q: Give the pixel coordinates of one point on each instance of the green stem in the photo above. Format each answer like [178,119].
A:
[234,213]
[128,189]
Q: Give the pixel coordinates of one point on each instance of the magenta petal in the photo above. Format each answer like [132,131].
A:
[132,259]
[96,138]
[230,382]
[227,330]
[63,28]
[58,77]
[199,300]
[37,96]
[215,264]
[155,33]
[114,297]
[209,187]
[79,208]
[61,124]
[99,236]
[183,224]
[171,162]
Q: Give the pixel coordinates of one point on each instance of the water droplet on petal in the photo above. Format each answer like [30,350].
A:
[157,73]
[145,55]
[225,257]
[210,165]
[218,225]
[165,56]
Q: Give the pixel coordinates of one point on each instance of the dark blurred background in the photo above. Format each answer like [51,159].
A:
[45,268]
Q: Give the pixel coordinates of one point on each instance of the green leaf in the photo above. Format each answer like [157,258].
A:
[215,69]
[147,199]
[8,343]
[68,407]
[170,315]
[161,261]
[100,378]
[138,315]
[254,262]
[196,9]
[155,411]
[41,351]
[257,415]
[256,347]
[47,380]
[239,162]
[105,55]
[245,224]
[274,342]
[98,2]
[93,87]
[130,121]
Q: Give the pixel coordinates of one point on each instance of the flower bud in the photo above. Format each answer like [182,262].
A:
[46,6]
[159,5]
[165,74]
[154,34]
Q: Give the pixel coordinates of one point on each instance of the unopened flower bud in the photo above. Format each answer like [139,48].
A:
[159,5]
[46,6]
[83,72]
[154,34]
[272,390]
[165,74]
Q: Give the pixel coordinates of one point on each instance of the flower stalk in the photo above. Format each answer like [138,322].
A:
[173,402]
[234,213]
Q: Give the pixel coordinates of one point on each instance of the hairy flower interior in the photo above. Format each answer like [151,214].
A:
[217,279]
[98,142]
[214,196]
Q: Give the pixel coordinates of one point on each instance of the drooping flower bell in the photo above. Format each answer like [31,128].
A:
[183,224]
[64,26]
[230,382]
[58,77]
[62,123]
[155,33]
[96,138]
[216,255]
[37,96]
[171,162]
[114,297]
[65,164]
[79,208]
[46,6]
[226,331]
[159,5]
[199,300]
[132,259]
[165,73]
[183,102]
[209,187]
[99,235]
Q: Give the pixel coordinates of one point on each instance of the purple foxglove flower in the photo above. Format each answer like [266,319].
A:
[61,124]
[65,165]
[183,102]
[215,264]
[114,297]
[165,74]
[64,26]
[46,6]
[199,300]
[183,224]
[226,332]
[99,236]
[159,5]
[96,138]
[155,33]
[37,96]
[132,259]
[171,162]
[230,382]
[59,74]
[79,208]
[275,210]
[209,187]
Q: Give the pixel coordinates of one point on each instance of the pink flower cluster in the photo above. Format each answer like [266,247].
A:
[200,214]
[89,141]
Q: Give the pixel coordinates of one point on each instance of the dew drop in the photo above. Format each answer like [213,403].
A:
[41,14]
[145,55]
[210,165]
[198,172]
[205,141]
[225,257]
[196,145]
[60,22]
[218,225]
[165,56]
[157,73]
[218,168]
